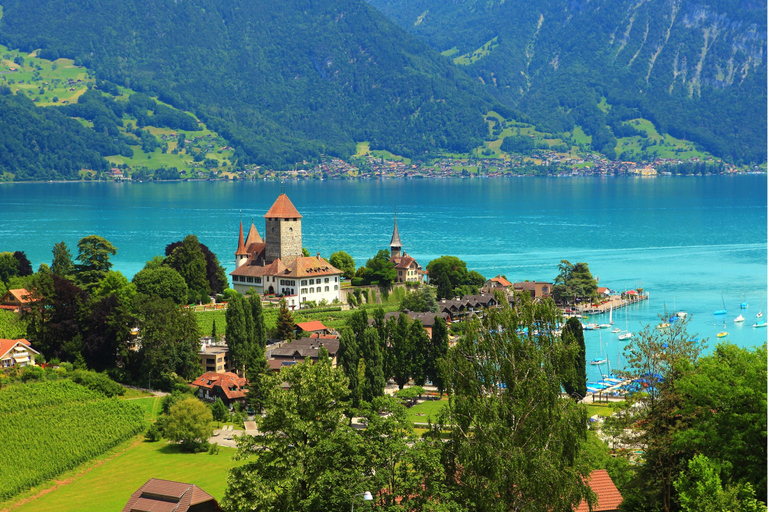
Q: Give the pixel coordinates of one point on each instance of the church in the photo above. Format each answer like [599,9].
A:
[408,269]
[276,265]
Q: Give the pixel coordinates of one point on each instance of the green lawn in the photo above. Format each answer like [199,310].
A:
[150,405]
[429,409]
[604,410]
[106,485]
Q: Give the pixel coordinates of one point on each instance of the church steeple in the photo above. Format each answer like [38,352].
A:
[395,245]
[241,255]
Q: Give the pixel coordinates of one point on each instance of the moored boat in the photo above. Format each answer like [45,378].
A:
[738,319]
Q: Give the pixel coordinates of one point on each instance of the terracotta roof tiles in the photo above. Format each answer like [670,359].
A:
[283,208]
[158,495]
[608,496]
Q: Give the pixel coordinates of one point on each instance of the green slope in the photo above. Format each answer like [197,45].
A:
[284,81]
[697,70]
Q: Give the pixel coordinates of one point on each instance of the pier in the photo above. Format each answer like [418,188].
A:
[615,302]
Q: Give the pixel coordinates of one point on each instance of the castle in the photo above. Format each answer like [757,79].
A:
[275,264]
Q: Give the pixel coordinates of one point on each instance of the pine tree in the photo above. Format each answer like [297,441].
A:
[402,351]
[438,348]
[256,364]
[348,358]
[213,332]
[370,352]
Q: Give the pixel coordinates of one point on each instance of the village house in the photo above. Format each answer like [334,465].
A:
[314,327]
[288,354]
[228,387]
[16,353]
[467,306]
[215,358]
[16,300]
[608,496]
[275,265]
[535,289]
[498,283]
[168,496]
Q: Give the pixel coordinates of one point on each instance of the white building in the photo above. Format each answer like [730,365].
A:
[275,264]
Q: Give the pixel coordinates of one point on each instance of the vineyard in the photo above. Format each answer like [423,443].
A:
[11,326]
[52,427]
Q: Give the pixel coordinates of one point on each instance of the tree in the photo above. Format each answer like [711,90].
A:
[238,337]
[370,354]
[93,257]
[163,282]
[420,348]
[700,489]
[657,360]
[438,348]
[256,361]
[723,414]
[188,260]
[450,275]
[62,264]
[214,272]
[170,340]
[344,262]
[107,331]
[25,267]
[305,449]
[9,267]
[401,346]
[513,442]
[575,382]
[380,269]
[574,282]
[189,422]
[219,410]
[348,360]
[285,323]
[420,301]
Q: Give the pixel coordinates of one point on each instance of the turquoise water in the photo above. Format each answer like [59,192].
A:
[687,240]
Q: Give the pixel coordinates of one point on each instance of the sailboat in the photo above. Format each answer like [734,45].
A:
[721,311]
[601,359]
[723,333]
[610,315]
[626,334]
[739,319]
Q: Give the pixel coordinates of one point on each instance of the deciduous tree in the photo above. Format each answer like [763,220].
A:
[163,282]
[344,262]
[575,382]
[62,264]
[93,257]
[189,422]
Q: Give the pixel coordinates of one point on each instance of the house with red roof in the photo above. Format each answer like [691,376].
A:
[227,386]
[16,300]
[16,353]
[168,496]
[315,327]
[275,264]
[608,496]
[498,283]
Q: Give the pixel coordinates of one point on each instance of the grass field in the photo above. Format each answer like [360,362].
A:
[104,485]
[665,146]
[471,58]
[421,413]
[603,410]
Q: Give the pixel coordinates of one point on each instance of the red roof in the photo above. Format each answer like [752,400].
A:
[608,496]
[20,294]
[283,209]
[501,281]
[305,266]
[241,243]
[253,236]
[229,382]
[314,325]
[7,345]
[167,496]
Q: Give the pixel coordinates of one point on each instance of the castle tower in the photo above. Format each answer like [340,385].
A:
[283,231]
[253,236]
[241,255]
[395,246]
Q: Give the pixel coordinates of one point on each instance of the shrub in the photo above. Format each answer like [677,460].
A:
[97,382]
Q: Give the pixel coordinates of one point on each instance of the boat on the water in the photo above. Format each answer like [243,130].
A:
[663,325]
[738,319]
[721,311]
[598,360]
[616,330]
[625,335]
[722,334]
[759,315]
[605,326]
[744,305]
[760,324]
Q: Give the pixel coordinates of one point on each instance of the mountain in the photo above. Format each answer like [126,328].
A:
[282,81]
[697,69]
[44,144]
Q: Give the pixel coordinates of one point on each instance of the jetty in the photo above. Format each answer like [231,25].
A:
[613,302]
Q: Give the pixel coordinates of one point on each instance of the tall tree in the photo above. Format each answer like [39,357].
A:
[420,344]
[214,272]
[107,331]
[575,382]
[513,442]
[238,337]
[189,261]
[450,273]
[256,362]
[402,351]
[25,267]
[438,348]
[9,267]
[190,423]
[370,353]
[285,323]
[163,282]
[380,269]
[348,358]
[62,264]
[344,262]
[93,257]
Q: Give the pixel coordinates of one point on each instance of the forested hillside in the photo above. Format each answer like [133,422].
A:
[696,69]
[282,81]
[40,143]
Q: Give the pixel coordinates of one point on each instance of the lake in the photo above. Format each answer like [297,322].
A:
[693,242]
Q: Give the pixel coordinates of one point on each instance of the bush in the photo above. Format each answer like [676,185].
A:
[97,382]
[358,281]
[154,433]
[31,373]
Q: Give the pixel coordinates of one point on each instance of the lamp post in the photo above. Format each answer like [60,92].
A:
[366,497]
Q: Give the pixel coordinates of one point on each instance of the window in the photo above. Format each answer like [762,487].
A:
[335,287]
[311,281]
[303,291]
[327,289]
[303,282]
[311,290]
[249,279]
[336,279]
[258,279]
[327,280]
